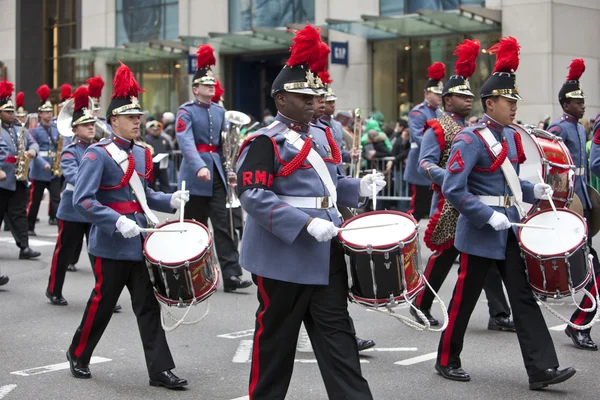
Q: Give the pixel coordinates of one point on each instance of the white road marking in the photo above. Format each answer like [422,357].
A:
[242,398]
[558,328]
[384,349]
[304,345]
[6,389]
[55,367]
[242,354]
[416,360]
[237,335]
[312,361]
[32,242]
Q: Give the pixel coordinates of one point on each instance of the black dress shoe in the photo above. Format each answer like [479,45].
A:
[427,313]
[550,376]
[3,280]
[117,308]
[501,323]
[31,233]
[78,369]
[27,253]
[364,344]
[234,283]
[454,374]
[56,300]
[52,221]
[581,339]
[167,379]
[71,268]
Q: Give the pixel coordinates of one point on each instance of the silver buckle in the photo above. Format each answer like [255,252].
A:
[325,202]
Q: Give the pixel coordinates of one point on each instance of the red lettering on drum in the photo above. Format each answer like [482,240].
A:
[270,181]
[247,178]
[260,177]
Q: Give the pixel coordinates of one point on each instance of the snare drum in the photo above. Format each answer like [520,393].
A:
[383,263]
[180,263]
[548,154]
[556,260]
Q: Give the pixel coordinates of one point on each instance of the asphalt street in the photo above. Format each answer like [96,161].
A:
[214,354]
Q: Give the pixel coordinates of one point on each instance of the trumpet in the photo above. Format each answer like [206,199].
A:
[356,146]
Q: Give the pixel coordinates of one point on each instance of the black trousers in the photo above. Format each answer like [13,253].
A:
[580,317]
[162,176]
[201,208]
[420,202]
[536,344]
[14,205]
[36,195]
[111,277]
[70,234]
[438,267]
[283,307]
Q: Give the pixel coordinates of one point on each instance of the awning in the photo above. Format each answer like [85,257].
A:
[425,23]
[134,52]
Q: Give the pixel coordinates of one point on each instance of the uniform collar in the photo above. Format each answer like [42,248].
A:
[7,126]
[459,120]
[326,118]
[569,117]
[123,144]
[83,143]
[426,103]
[201,104]
[293,125]
[494,125]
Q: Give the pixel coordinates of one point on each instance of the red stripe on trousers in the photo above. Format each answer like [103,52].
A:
[30,195]
[456,299]
[255,354]
[428,269]
[413,189]
[587,303]
[61,226]
[91,315]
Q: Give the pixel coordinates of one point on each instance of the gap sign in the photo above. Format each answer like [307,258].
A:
[191,64]
[339,53]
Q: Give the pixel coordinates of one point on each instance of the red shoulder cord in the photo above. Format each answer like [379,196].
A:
[298,160]
[149,166]
[126,176]
[335,150]
[501,157]
[520,152]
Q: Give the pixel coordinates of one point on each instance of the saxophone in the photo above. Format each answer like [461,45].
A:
[56,171]
[22,167]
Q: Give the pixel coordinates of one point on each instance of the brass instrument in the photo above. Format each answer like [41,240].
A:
[56,171]
[22,165]
[356,145]
[230,142]
[65,118]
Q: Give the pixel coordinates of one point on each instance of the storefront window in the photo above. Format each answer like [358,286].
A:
[399,7]
[144,20]
[400,71]
[60,36]
[247,14]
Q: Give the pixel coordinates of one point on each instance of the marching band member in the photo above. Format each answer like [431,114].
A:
[573,134]
[72,226]
[283,171]
[13,193]
[112,193]
[478,185]
[198,129]
[435,148]
[41,174]
[20,113]
[336,127]
[421,193]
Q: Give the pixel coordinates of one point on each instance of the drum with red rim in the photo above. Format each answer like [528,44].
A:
[556,260]
[180,263]
[383,262]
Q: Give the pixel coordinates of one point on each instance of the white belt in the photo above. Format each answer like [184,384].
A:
[322,203]
[498,201]
[70,186]
[579,171]
[414,145]
[44,154]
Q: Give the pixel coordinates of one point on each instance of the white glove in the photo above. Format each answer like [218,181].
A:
[127,227]
[542,191]
[321,229]
[365,188]
[499,221]
[180,197]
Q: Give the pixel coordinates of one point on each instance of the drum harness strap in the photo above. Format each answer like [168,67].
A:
[121,158]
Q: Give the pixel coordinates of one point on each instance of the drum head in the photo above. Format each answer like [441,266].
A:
[529,169]
[568,234]
[382,237]
[175,248]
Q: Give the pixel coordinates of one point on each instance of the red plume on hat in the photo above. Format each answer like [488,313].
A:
[436,71]
[65,91]
[219,92]
[507,54]
[303,47]
[43,93]
[205,57]
[95,86]
[467,53]
[81,98]
[576,69]
[124,83]
[6,89]
[20,100]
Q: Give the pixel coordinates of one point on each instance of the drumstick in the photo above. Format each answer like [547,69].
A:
[549,197]
[161,230]
[366,227]
[182,205]
[532,226]
[374,193]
